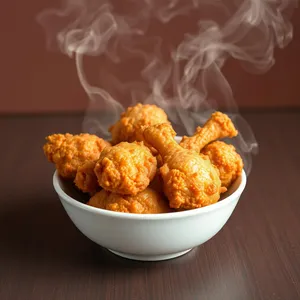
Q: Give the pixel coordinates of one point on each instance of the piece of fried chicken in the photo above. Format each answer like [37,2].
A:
[126,168]
[86,179]
[68,151]
[218,126]
[226,159]
[134,120]
[190,180]
[146,202]
[222,155]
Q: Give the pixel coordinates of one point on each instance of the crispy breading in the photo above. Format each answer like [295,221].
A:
[68,151]
[146,202]
[126,168]
[190,180]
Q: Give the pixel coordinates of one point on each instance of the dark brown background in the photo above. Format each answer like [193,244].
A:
[36,80]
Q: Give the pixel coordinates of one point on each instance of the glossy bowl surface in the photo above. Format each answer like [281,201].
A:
[148,237]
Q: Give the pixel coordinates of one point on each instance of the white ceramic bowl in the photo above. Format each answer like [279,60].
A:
[149,237]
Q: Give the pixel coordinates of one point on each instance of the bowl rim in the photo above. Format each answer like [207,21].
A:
[163,216]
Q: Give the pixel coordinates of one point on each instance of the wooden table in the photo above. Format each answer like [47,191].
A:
[43,256]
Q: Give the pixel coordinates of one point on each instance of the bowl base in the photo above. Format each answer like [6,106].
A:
[150,257]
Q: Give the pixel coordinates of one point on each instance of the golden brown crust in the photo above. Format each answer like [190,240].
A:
[99,199]
[126,168]
[54,141]
[226,159]
[86,179]
[190,181]
[146,202]
[69,151]
[218,126]
[134,120]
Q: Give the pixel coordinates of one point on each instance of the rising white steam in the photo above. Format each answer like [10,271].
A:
[183,77]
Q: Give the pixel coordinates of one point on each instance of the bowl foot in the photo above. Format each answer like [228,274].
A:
[151,257]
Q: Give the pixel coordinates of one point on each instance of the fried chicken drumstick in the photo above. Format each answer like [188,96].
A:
[68,151]
[218,126]
[126,168]
[134,120]
[221,155]
[190,181]
[146,202]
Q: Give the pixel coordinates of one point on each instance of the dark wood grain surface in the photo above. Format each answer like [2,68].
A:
[43,256]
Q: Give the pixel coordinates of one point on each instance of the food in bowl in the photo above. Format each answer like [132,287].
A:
[134,120]
[190,174]
[149,201]
[189,179]
[152,236]
[143,194]
[68,151]
[126,168]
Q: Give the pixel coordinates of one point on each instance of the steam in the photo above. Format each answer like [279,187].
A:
[184,76]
